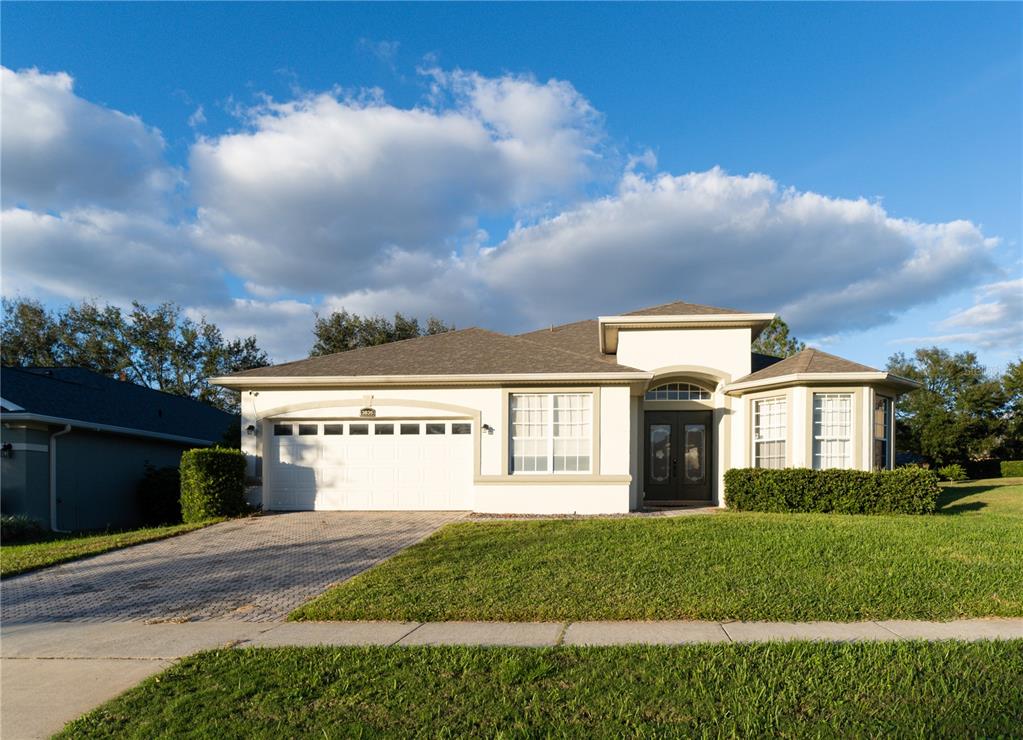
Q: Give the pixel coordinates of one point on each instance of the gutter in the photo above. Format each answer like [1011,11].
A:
[53,478]
[94,427]
[458,381]
[872,377]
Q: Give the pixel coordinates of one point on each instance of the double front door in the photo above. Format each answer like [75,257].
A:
[679,451]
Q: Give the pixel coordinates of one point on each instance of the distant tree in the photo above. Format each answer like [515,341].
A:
[956,415]
[156,347]
[29,335]
[342,331]
[1011,447]
[776,340]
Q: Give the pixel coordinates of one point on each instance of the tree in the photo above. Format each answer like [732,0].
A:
[957,413]
[156,347]
[776,341]
[29,335]
[342,331]
[1011,447]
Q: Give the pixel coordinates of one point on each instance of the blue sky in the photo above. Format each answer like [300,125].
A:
[856,166]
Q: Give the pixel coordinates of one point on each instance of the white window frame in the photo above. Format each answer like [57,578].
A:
[547,408]
[887,432]
[778,432]
[678,392]
[819,439]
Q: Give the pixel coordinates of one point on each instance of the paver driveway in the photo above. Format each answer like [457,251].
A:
[256,569]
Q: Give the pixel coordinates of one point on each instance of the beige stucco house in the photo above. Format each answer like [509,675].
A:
[607,415]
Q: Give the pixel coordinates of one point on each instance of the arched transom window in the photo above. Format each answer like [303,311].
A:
[678,392]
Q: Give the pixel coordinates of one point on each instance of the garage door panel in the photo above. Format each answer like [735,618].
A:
[372,471]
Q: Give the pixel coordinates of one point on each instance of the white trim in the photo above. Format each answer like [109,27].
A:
[28,447]
[364,381]
[874,376]
[93,427]
[609,325]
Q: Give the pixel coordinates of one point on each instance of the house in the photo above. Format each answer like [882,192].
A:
[75,444]
[608,415]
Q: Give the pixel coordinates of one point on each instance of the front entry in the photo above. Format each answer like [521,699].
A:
[679,451]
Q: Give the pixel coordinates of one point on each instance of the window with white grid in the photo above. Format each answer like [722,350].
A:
[551,432]
[882,432]
[832,430]
[678,392]
[770,427]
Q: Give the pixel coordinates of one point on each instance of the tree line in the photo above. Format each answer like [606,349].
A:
[962,412]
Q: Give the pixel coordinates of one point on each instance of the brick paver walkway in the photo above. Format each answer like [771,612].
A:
[255,570]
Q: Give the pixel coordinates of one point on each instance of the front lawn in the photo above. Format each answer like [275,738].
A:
[965,561]
[59,548]
[943,689]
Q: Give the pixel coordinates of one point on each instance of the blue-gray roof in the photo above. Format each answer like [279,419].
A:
[82,395]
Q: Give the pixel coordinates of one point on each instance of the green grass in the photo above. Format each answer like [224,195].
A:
[965,561]
[944,689]
[60,548]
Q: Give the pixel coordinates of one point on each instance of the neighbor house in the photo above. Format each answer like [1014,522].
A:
[75,444]
[608,415]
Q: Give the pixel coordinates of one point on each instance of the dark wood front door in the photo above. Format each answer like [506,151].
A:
[679,451]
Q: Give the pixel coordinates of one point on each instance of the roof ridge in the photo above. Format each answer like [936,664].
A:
[554,327]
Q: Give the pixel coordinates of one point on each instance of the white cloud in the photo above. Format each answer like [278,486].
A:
[994,321]
[310,195]
[108,255]
[61,151]
[827,265]
[284,329]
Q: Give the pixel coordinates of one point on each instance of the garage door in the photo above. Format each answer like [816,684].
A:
[384,465]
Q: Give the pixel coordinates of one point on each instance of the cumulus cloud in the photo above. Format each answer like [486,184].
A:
[309,195]
[994,321]
[109,255]
[827,264]
[61,151]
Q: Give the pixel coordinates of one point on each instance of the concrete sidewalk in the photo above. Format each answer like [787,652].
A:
[54,671]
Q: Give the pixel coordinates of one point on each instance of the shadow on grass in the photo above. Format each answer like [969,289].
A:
[949,495]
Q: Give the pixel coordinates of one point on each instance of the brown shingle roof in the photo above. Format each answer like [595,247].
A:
[808,361]
[467,351]
[581,337]
[680,308]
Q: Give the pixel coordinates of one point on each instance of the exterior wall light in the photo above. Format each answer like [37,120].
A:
[7,450]
[487,428]
[250,430]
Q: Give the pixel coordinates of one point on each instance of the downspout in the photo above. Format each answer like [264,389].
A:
[53,478]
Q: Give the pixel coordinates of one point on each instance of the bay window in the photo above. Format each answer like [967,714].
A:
[770,429]
[551,432]
[832,430]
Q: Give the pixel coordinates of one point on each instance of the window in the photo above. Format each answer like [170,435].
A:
[882,432]
[770,426]
[383,429]
[461,428]
[358,429]
[678,392]
[551,432]
[332,428]
[306,430]
[410,429]
[832,430]
[282,430]
[435,429]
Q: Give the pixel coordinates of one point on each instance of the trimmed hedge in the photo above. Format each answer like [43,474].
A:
[1012,468]
[212,483]
[901,491]
[954,472]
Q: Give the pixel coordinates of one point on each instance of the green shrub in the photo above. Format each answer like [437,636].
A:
[954,472]
[212,483]
[1012,468]
[19,528]
[901,491]
[159,496]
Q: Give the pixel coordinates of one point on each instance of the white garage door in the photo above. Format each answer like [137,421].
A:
[356,465]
